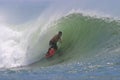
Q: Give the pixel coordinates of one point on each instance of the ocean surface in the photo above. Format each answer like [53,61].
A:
[90,48]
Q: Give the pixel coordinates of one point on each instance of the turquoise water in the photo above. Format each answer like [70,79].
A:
[90,48]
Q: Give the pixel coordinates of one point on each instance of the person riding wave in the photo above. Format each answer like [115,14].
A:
[53,44]
[55,39]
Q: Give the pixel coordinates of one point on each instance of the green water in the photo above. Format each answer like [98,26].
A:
[84,37]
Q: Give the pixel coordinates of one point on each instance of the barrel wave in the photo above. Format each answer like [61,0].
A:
[85,38]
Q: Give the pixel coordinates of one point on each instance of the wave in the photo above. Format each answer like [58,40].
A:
[84,38]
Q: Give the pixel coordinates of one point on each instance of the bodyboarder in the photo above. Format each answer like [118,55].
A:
[53,44]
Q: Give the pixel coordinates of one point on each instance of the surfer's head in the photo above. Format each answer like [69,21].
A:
[60,33]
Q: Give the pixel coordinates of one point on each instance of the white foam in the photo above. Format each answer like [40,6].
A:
[11,53]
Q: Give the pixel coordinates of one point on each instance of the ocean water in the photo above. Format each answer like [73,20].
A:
[90,48]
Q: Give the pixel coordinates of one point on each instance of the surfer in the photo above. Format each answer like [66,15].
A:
[55,39]
[53,44]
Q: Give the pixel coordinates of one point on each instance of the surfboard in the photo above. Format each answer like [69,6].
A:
[50,53]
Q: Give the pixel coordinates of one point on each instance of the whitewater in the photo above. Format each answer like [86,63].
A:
[90,48]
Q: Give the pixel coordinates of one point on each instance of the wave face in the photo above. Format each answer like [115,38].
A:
[85,38]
